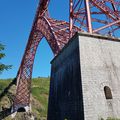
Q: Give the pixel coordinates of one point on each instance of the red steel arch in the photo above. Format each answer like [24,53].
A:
[56,38]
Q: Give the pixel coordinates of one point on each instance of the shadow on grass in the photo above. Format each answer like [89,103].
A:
[5,113]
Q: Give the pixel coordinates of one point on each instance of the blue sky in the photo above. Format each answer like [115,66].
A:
[16,18]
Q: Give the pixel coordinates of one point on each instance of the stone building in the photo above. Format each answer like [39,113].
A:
[85,79]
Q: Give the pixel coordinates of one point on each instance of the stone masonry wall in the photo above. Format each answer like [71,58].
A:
[65,100]
[100,67]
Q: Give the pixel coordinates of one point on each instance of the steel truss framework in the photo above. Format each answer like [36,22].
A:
[93,16]
[96,16]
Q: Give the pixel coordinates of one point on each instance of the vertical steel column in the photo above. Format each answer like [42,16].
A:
[71,17]
[88,16]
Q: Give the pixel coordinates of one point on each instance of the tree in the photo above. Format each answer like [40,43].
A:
[2,55]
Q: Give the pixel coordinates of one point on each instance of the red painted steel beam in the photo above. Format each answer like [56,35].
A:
[99,13]
[88,14]
[106,26]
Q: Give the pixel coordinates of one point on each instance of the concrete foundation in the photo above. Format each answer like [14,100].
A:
[85,79]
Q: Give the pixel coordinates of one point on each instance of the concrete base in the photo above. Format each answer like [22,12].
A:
[80,74]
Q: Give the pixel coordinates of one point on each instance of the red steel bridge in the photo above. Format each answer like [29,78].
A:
[92,16]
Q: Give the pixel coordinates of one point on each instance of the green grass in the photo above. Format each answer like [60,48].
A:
[39,95]
[4,83]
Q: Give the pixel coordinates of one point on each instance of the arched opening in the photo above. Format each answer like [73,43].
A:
[22,109]
[107,91]
[44,55]
[40,79]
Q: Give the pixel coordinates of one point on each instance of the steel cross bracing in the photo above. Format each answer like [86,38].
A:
[93,16]
[96,16]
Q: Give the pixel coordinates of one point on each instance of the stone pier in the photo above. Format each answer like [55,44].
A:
[85,79]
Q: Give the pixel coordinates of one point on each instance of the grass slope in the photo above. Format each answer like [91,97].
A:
[39,97]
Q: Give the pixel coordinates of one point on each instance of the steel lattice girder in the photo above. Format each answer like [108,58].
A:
[96,16]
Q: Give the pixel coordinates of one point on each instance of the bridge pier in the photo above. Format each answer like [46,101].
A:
[85,79]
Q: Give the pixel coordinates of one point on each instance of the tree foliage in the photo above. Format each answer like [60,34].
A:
[2,55]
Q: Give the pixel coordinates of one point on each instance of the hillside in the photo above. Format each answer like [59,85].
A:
[39,98]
